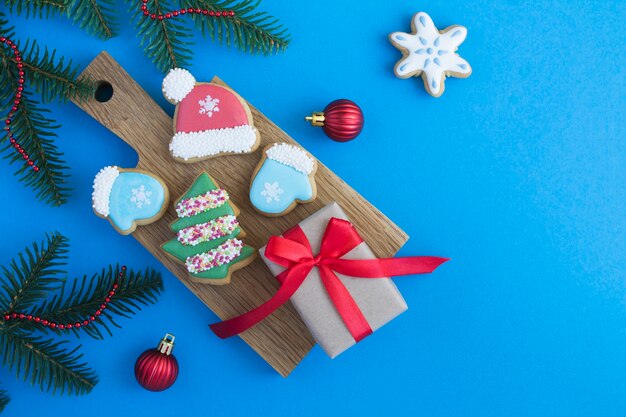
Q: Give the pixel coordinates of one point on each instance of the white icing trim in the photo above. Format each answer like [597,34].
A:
[102,185]
[292,156]
[177,84]
[240,139]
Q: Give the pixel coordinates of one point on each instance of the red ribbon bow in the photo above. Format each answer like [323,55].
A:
[293,252]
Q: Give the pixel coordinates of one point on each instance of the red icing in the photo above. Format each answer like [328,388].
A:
[231,112]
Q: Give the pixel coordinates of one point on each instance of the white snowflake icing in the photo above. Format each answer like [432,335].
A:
[140,196]
[431,53]
[271,192]
[209,106]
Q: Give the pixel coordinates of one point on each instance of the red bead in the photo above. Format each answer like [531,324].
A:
[211,13]
[44,322]
[98,312]
[36,168]
[77,325]
[160,17]
[20,74]
[16,145]
[13,46]
[7,121]
[190,10]
[86,322]
[116,286]
[29,317]
[168,15]
[146,13]
[205,12]
[144,7]
[21,316]
[175,13]
[224,13]
[12,141]
[92,318]
[69,326]
[107,300]
[111,293]
[53,325]
[20,65]
[13,315]
[198,11]
[25,156]
[18,95]
[6,316]
[183,11]
[3,39]
[153,16]
[103,306]
[14,108]
[61,326]
[31,163]
[37,319]
[231,13]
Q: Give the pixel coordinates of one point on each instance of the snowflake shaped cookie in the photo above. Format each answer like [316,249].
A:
[140,196]
[271,192]
[430,53]
[209,106]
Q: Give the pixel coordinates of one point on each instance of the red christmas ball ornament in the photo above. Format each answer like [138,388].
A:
[157,369]
[342,120]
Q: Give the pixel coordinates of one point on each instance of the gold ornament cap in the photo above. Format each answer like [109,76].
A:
[316,119]
[166,345]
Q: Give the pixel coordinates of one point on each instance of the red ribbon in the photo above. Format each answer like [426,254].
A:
[293,251]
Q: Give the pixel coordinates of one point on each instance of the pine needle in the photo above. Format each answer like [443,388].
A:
[36,8]
[163,41]
[96,17]
[249,30]
[46,363]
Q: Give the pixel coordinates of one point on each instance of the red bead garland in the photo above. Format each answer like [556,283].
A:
[78,324]
[182,11]
[16,103]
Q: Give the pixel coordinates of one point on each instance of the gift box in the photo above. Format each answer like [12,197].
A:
[378,299]
[340,289]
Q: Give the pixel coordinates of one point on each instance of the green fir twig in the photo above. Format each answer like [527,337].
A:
[36,8]
[163,41]
[96,17]
[249,30]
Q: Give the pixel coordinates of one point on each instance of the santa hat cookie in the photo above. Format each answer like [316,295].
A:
[284,178]
[210,120]
[128,197]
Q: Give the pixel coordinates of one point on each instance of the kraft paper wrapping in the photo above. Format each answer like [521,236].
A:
[379,299]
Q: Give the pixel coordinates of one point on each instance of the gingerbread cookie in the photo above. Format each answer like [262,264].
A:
[129,197]
[210,120]
[430,53]
[284,178]
[208,234]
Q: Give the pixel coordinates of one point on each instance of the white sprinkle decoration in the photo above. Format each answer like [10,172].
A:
[102,185]
[177,84]
[292,156]
[190,145]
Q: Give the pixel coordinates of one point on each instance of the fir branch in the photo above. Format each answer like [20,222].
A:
[4,399]
[249,30]
[34,132]
[95,17]
[162,40]
[38,8]
[31,276]
[85,296]
[46,363]
[51,77]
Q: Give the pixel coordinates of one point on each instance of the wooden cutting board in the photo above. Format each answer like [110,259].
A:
[282,339]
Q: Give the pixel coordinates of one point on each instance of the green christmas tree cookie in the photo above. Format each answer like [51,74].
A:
[208,235]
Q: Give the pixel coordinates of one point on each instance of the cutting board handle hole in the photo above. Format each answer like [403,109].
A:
[104,91]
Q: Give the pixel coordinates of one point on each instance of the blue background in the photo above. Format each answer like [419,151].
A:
[517,173]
